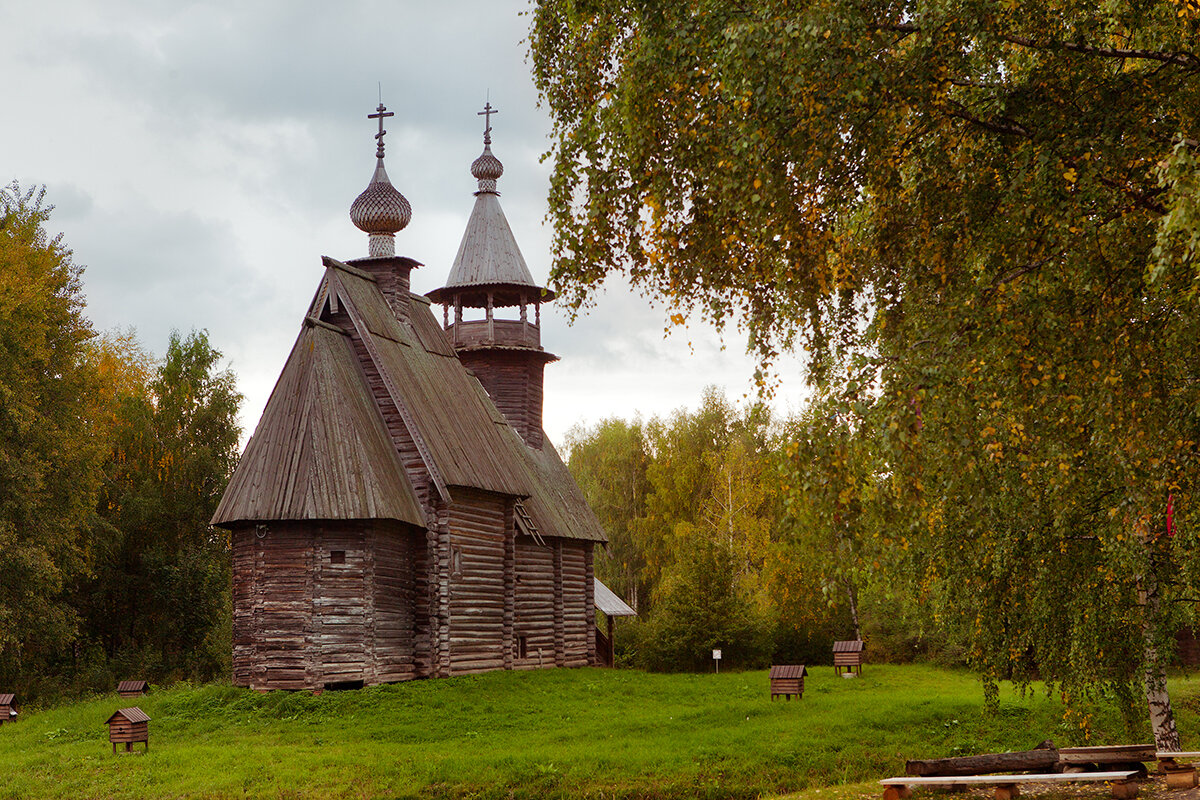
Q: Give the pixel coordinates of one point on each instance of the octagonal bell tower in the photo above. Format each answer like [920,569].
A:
[502,344]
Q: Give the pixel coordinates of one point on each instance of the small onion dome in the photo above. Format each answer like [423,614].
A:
[486,169]
[380,211]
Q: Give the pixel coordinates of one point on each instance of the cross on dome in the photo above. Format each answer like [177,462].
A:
[487,168]
[380,211]
[380,114]
[487,115]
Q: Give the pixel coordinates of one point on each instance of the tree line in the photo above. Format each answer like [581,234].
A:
[111,464]
[719,542]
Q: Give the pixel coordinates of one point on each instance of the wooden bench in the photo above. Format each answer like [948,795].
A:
[1008,786]
[1179,775]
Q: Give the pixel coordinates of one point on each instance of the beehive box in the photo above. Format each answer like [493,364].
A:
[131,688]
[848,656]
[787,680]
[128,725]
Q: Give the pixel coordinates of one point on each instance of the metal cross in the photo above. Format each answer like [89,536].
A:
[487,121]
[379,114]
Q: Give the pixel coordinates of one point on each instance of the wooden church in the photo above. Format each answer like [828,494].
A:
[398,512]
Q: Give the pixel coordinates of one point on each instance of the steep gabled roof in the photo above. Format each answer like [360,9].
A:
[556,502]
[464,439]
[321,450]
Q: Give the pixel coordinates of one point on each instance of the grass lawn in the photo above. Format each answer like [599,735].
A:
[554,733]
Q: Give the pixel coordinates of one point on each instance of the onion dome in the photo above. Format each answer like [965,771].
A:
[380,211]
[486,169]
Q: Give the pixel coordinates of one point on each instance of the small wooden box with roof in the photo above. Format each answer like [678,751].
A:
[8,708]
[787,680]
[128,725]
[131,688]
[848,657]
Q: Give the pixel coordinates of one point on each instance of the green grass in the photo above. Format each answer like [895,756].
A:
[555,733]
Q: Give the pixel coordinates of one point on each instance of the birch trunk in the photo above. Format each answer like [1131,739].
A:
[1162,718]
[852,593]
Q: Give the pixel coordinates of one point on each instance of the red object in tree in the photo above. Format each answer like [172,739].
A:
[1170,514]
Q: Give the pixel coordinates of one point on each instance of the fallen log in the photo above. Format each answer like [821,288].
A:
[1040,760]
[1110,754]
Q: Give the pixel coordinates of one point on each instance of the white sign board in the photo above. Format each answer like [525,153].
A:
[716,655]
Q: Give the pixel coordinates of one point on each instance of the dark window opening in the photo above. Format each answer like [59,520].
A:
[456,565]
[337,556]
[522,647]
[343,686]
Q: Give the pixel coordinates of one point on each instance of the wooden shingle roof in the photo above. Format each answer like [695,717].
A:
[7,699]
[849,646]
[787,671]
[131,686]
[321,450]
[556,502]
[132,714]
[469,443]
[488,258]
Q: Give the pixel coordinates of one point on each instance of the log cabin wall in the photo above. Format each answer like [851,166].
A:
[394,626]
[513,379]
[533,624]
[590,611]
[343,572]
[322,604]
[478,544]
[577,623]
[280,608]
[244,647]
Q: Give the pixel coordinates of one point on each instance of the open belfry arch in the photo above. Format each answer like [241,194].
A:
[399,512]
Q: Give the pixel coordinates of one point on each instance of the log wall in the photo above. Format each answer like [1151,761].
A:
[513,379]
[577,621]
[534,604]
[316,605]
[477,539]
[377,602]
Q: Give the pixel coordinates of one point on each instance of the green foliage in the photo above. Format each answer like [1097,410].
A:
[609,462]
[551,733]
[159,592]
[692,506]
[48,457]
[980,220]
[698,609]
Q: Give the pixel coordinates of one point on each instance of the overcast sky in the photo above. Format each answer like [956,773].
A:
[202,157]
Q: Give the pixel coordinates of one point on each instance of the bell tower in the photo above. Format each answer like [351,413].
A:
[501,344]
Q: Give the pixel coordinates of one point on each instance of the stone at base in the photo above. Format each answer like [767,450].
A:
[849,675]
[1008,792]
[1124,790]
[1181,778]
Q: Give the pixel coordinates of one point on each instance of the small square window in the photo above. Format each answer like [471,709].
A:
[337,556]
